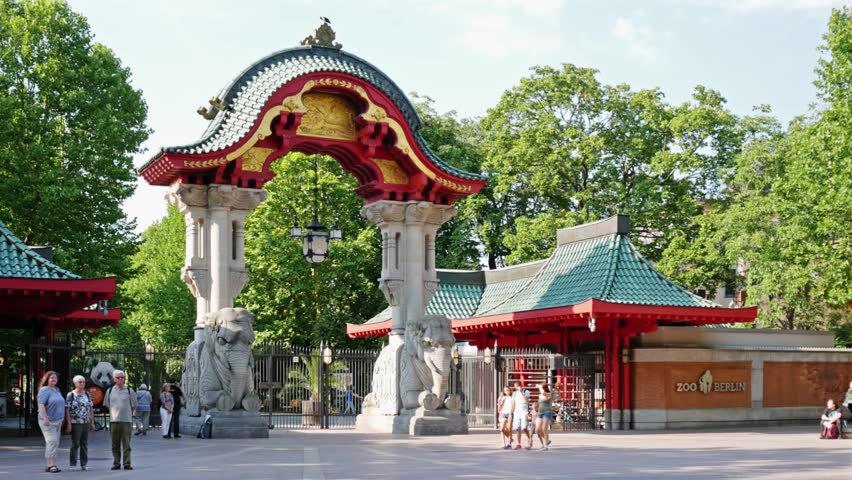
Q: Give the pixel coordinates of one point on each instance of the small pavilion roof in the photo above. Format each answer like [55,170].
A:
[593,266]
[17,260]
[34,288]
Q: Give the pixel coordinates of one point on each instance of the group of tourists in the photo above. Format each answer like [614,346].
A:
[516,416]
[128,411]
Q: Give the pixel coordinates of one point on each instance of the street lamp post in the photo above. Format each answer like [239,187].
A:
[315,241]
[149,356]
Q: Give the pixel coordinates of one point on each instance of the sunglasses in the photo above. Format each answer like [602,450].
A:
[80,381]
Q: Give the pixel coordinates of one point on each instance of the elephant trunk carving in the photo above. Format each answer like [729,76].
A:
[425,363]
[225,379]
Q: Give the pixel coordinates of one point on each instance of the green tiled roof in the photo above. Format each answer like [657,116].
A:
[245,96]
[605,268]
[19,261]
[455,301]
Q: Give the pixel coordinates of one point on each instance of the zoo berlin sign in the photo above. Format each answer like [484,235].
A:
[706,385]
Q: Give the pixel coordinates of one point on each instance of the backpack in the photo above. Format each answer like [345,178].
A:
[206,430]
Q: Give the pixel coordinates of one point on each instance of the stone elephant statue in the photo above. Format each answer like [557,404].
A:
[425,364]
[226,381]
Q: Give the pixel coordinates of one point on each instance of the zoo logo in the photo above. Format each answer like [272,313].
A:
[704,384]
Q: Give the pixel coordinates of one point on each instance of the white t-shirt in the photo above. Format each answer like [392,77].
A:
[507,406]
[522,405]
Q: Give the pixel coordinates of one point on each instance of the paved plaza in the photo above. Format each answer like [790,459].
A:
[766,453]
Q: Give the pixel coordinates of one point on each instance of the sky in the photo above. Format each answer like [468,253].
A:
[463,53]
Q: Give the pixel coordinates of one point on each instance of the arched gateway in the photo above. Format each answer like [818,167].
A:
[318,99]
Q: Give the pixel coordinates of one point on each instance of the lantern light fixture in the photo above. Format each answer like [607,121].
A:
[315,241]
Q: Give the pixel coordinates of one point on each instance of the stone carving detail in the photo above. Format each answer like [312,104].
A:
[328,116]
[189,379]
[385,386]
[183,195]
[228,196]
[238,281]
[441,214]
[392,289]
[430,287]
[220,365]
[414,212]
[196,280]
[381,212]
[425,363]
[323,36]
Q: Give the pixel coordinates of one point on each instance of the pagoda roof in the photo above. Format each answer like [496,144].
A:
[593,266]
[34,288]
[20,261]
[245,97]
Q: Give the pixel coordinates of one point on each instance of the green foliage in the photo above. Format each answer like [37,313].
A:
[789,207]
[564,149]
[297,302]
[307,377]
[454,141]
[70,124]
[157,303]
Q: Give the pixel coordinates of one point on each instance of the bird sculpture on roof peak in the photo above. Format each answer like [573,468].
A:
[323,36]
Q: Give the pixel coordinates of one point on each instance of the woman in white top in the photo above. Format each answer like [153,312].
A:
[505,407]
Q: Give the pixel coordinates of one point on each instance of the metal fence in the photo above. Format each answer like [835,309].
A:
[305,388]
[573,379]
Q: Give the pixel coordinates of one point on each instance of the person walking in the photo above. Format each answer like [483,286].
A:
[121,402]
[350,402]
[51,412]
[79,419]
[167,406]
[505,407]
[143,409]
[177,395]
[520,399]
[545,416]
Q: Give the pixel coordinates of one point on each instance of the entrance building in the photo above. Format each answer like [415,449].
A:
[667,358]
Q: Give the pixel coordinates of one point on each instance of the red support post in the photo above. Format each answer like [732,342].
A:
[607,372]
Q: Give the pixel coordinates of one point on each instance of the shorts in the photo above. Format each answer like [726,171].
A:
[546,416]
[519,422]
[505,416]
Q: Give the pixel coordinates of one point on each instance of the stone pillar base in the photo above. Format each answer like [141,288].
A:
[233,424]
[438,422]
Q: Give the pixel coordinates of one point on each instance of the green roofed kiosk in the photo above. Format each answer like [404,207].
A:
[595,287]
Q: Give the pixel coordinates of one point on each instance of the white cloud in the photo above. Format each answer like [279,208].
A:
[501,28]
[639,40]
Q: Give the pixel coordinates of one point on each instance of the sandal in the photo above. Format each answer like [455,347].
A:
[53,469]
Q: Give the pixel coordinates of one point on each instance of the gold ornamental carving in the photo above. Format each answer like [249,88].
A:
[453,185]
[212,162]
[328,116]
[392,173]
[254,159]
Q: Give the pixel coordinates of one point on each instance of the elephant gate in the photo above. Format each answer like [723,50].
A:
[314,99]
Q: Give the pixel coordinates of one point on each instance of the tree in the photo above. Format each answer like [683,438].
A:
[295,301]
[156,302]
[564,149]
[71,121]
[788,208]
[455,141]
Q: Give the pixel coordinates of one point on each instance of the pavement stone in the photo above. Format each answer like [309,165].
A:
[765,453]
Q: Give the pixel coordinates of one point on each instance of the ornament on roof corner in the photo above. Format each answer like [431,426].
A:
[216,104]
[323,36]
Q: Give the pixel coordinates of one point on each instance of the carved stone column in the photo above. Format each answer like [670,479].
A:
[227,210]
[408,265]
[191,200]
[214,266]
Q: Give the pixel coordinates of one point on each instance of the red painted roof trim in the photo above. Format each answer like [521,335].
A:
[567,316]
